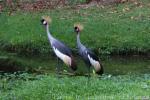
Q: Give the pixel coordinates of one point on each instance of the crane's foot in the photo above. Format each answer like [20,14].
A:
[72,72]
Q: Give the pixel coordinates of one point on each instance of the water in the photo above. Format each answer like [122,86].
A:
[119,65]
[115,65]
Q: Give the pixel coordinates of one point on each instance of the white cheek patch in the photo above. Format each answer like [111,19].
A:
[66,59]
[94,63]
[44,22]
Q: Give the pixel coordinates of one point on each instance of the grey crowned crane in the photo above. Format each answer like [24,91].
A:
[88,56]
[60,49]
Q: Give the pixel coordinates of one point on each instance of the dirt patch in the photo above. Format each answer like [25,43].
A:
[0,8]
[42,4]
[37,5]
[103,3]
[34,5]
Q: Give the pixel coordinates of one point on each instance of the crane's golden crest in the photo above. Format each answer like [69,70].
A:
[47,19]
[80,26]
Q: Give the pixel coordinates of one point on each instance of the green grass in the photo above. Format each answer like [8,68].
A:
[108,30]
[72,88]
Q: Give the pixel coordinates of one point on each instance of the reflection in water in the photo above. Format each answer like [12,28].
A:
[116,65]
[127,65]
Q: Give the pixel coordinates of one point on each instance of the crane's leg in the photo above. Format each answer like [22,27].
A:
[89,67]
[58,67]
[71,72]
[88,81]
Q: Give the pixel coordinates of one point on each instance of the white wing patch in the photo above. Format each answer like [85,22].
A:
[94,63]
[66,59]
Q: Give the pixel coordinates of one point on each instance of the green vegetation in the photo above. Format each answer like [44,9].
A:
[113,29]
[43,87]
[109,30]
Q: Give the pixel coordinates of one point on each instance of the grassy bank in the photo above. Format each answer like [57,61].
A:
[44,87]
[116,29]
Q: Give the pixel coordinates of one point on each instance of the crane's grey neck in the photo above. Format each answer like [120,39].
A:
[78,40]
[50,37]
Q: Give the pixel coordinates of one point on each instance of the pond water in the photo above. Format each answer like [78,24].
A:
[119,65]
[115,65]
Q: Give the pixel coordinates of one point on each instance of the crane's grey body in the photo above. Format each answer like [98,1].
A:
[82,51]
[61,50]
[56,44]
[88,56]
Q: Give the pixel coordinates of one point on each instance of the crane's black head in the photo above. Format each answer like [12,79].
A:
[44,22]
[76,29]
